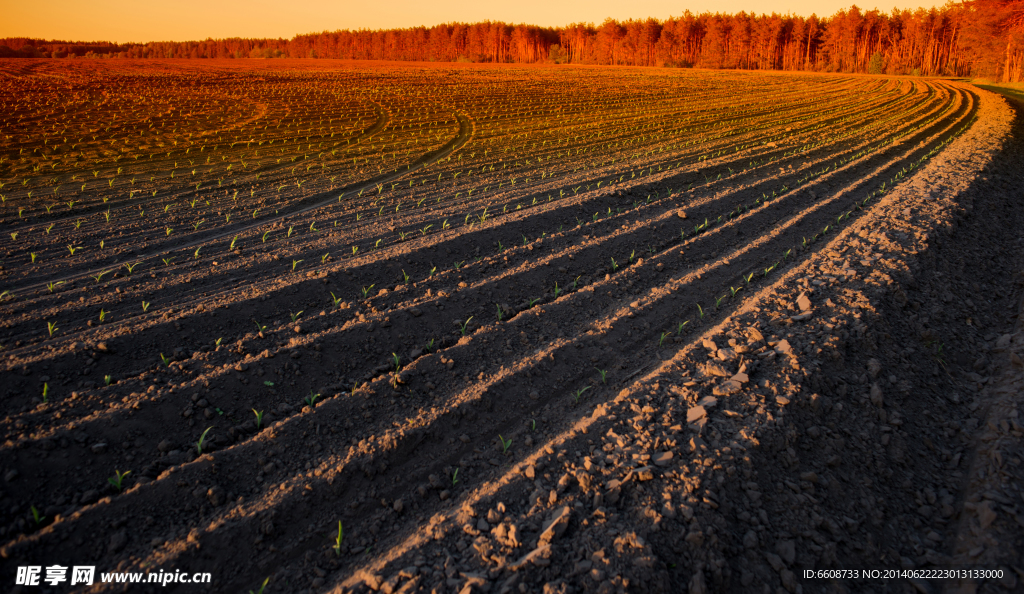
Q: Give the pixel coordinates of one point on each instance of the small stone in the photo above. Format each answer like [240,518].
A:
[695,414]
[726,388]
[555,526]
[787,550]
[726,354]
[741,378]
[782,400]
[803,302]
[540,556]
[681,213]
[444,495]
[696,538]
[986,514]
[398,506]
[644,473]
[783,347]
[876,395]
[10,475]
[715,369]
[215,495]
[662,459]
[710,345]
[165,446]
[874,368]
[98,448]
[750,539]
[534,395]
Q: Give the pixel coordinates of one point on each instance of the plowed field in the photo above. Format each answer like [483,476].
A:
[515,329]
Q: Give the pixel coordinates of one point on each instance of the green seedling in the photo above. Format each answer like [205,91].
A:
[615,265]
[338,539]
[117,481]
[579,393]
[405,277]
[168,261]
[33,256]
[265,235]
[366,290]
[202,438]
[533,301]
[259,327]
[604,375]
[311,398]
[262,587]
[458,265]
[576,280]
[455,477]
[268,384]
[131,267]
[664,335]
[679,330]
[52,328]
[107,380]
[295,263]
[145,306]
[46,392]
[195,254]
[166,361]
[295,316]
[217,342]
[718,301]
[501,313]
[464,325]
[701,310]
[335,300]
[38,517]
[397,361]
[557,290]
[430,345]
[505,444]
[735,290]
[324,257]
[103,315]
[533,424]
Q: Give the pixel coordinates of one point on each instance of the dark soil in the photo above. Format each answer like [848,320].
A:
[742,368]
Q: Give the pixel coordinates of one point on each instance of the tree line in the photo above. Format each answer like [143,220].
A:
[973,38]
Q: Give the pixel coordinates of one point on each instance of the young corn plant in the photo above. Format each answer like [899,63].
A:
[263,586]
[464,325]
[337,540]
[202,439]
[579,394]
[505,444]
[117,481]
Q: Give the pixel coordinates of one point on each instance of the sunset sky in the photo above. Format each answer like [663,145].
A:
[181,20]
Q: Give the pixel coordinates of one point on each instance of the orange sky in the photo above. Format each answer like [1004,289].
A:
[181,20]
